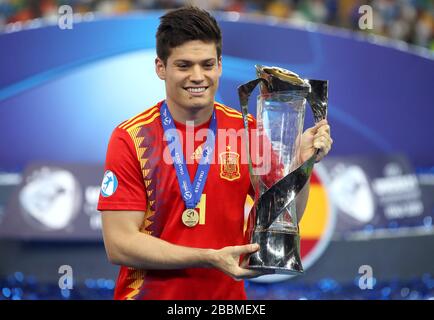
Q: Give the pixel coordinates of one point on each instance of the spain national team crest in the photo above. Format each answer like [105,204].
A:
[229,165]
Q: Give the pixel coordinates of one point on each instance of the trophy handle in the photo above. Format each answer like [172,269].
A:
[270,204]
[318,98]
[244,92]
[318,101]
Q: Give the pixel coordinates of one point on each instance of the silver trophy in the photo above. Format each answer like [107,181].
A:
[276,171]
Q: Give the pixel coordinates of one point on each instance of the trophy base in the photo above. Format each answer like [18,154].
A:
[283,259]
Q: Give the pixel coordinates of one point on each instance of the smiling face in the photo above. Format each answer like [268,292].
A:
[191,75]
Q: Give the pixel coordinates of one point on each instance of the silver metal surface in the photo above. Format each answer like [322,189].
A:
[279,242]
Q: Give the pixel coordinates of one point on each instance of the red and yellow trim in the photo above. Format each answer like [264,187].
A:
[231,112]
[144,117]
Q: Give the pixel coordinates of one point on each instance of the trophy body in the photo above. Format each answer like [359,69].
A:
[276,171]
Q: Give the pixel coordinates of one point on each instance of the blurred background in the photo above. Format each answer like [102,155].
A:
[69,75]
[405,20]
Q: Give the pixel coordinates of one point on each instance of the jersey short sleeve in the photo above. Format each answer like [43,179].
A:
[122,187]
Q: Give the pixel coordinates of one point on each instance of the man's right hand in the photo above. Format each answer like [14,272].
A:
[227,260]
[127,246]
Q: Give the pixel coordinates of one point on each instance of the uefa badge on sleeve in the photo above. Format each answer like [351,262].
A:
[109,184]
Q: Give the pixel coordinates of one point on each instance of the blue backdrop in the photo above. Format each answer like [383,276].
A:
[63,91]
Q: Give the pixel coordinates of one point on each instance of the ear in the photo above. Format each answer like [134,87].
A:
[219,65]
[160,68]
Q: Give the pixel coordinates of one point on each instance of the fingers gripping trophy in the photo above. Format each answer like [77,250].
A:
[275,171]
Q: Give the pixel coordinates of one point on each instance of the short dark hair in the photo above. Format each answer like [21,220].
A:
[186,24]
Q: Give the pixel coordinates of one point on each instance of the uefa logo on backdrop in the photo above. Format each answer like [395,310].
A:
[316,227]
[50,199]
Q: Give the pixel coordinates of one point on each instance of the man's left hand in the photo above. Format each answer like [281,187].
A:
[316,137]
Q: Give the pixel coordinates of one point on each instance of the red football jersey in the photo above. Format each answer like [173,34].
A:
[139,177]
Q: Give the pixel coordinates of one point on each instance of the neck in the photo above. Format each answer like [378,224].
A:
[199,115]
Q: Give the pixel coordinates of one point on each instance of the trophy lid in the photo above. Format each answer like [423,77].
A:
[280,79]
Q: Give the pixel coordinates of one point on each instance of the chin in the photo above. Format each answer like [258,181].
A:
[200,103]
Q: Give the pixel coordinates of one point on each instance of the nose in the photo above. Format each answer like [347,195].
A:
[197,75]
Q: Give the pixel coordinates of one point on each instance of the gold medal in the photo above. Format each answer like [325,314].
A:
[190,217]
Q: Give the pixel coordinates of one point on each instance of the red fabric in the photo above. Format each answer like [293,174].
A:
[121,159]
[155,189]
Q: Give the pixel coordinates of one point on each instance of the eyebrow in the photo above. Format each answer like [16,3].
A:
[189,61]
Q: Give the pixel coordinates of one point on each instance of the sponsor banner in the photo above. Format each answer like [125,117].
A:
[375,192]
[426,182]
[8,183]
[55,202]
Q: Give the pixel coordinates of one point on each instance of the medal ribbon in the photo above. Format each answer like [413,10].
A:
[190,193]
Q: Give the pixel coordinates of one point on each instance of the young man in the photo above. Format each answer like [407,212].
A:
[173,220]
